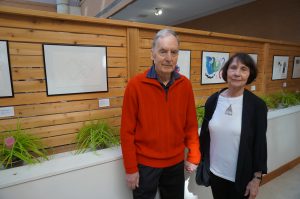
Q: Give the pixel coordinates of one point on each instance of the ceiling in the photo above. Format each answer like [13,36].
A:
[174,11]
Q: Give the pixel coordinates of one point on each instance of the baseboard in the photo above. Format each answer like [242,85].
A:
[270,176]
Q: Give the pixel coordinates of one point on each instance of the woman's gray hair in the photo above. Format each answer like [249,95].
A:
[163,33]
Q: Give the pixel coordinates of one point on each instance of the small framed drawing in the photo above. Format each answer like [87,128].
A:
[212,63]
[184,62]
[280,67]
[73,69]
[6,86]
[296,68]
[254,57]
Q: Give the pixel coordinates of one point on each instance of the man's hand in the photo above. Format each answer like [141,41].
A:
[133,180]
[252,188]
[189,167]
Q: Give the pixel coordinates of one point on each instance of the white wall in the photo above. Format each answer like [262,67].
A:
[101,175]
[283,137]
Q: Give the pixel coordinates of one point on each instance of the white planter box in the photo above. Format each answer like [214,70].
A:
[102,175]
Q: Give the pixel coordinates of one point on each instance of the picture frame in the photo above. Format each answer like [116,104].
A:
[6,84]
[73,69]
[212,63]
[184,63]
[296,68]
[280,67]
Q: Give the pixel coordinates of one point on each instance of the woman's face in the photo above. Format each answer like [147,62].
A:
[237,74]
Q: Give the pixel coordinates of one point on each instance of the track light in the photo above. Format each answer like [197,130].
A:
[158,11]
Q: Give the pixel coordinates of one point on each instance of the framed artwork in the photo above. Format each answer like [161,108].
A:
[254,57]
[184,62]
[296,68]
[280,67]
[212,63]
[6,86]
[73,69]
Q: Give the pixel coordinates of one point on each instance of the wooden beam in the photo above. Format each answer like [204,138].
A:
[266,54]
[277,172]
[132,51]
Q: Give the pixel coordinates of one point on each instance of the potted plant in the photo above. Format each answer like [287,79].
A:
[96,135]
[18,146]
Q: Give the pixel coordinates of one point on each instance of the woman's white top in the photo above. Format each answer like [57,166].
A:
[225,132]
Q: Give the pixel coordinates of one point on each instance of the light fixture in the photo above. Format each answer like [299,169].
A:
[158,11]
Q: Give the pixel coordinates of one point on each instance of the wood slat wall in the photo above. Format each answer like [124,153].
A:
[57,119]
[277,85]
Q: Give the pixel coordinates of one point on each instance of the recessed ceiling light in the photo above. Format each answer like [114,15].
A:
[158,11]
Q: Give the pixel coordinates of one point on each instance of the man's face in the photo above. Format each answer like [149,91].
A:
[165,55]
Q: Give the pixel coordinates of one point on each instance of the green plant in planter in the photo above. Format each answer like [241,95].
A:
[270,101]
[297,94]
[200,114]
[285,99]
[96,135]
[289,99]
[18,146]
[282,99]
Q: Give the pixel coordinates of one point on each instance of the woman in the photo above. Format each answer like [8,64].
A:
[233,133]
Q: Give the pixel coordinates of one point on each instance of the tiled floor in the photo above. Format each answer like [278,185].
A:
[286,186]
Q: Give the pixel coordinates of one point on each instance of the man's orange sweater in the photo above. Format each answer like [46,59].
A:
[157,126]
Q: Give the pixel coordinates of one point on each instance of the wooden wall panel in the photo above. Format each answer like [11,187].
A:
[38,23]
[278,85]
[30,35]
[57,119]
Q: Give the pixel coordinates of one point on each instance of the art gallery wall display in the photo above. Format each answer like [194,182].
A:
[73,69]
[6,86]
[184,62]
[212,63]
[254,57]
[296,67]
[280,67]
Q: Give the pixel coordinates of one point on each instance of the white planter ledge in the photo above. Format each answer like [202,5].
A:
[58,164]
[284,111]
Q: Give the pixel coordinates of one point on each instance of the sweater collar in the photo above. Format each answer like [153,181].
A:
[151,73]
[153,79]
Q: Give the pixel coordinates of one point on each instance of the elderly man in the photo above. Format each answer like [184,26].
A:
[158,123]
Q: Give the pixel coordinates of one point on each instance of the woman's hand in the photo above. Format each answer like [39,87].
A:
[133,180]
[190,167]
[252,188]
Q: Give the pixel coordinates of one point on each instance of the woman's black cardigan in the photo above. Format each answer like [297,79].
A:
[252,156]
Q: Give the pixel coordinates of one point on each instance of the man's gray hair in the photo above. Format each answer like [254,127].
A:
[163,33]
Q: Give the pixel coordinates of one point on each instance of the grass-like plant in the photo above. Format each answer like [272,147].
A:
[200,114]
[17,145]
[96,135]
[281,99]
[270,101]
[288,99]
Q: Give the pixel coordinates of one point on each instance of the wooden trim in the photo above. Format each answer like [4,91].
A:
[266,52]
[83,19]
[25,4]
[284,168]
[133,48]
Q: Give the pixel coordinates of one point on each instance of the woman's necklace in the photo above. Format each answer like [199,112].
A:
[228,111]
